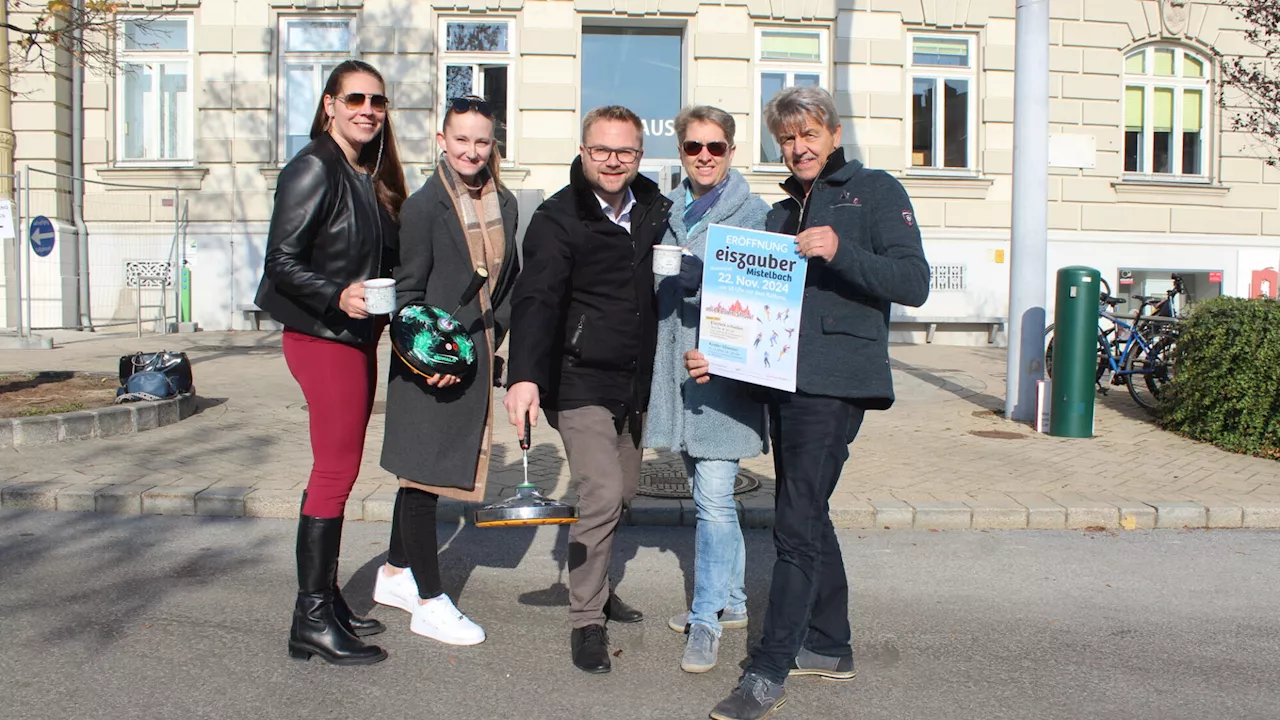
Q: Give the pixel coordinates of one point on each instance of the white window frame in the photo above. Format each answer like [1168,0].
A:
[940,74]
[285,58]
[142,57]
[1149,82]
[478,61]
[791,68]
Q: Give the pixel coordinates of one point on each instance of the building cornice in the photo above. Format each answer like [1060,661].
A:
[163,178]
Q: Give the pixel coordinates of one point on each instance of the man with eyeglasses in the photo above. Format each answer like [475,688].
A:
[583,330]
[857,229]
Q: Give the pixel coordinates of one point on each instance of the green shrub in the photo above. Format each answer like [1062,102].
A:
[1226,385]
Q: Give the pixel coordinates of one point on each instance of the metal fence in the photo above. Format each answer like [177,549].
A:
[127,268]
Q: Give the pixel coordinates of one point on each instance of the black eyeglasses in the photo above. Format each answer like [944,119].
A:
[626,156]
[355,101]
[693,148]
[467,103]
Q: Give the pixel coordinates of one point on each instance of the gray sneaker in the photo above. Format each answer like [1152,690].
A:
[729,620]
[701,650]
[831,668]
[755,698]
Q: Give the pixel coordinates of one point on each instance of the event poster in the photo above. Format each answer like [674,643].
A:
[752,290]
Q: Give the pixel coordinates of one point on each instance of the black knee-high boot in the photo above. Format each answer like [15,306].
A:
[316,629]
[359,626]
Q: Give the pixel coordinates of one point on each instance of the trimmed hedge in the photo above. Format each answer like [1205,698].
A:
[1226,385]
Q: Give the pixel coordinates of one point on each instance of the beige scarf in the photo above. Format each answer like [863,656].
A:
[481,220]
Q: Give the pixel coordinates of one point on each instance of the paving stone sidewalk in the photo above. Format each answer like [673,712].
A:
[940,459]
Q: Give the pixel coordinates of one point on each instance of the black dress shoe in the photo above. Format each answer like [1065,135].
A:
[590,646]
[617,611]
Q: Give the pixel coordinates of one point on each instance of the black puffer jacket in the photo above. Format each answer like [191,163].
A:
[327,231]
[584,321]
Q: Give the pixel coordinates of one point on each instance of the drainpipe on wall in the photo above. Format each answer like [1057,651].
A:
[77,180]
[7,140]
[13,308]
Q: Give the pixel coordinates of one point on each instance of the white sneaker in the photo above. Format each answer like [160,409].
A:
[398,591]
[439,619]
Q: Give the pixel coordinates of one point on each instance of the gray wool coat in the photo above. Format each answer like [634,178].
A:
[434,437]
[718,420]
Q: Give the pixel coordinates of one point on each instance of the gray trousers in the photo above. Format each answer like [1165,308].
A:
[604,465]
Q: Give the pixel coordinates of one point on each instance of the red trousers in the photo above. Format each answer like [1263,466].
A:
[338,381]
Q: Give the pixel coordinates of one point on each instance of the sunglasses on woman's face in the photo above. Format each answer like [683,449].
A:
[355,101]
[469,103]
[693,148]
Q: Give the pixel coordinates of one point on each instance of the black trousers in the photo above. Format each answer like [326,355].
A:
[413,539]
[809,594]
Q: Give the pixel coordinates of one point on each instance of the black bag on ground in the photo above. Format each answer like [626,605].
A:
[173,365]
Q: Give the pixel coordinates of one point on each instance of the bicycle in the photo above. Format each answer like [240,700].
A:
[1154,335]
[1161,307]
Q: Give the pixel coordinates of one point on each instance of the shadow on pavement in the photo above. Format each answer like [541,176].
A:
[932,377]
[97,610]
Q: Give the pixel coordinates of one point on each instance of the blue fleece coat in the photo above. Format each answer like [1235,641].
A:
[717,420]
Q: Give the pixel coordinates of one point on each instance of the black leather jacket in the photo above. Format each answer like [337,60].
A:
[327,231]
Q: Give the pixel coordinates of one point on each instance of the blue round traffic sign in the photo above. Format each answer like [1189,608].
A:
[42,235]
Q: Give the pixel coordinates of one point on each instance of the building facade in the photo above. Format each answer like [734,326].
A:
[212,97]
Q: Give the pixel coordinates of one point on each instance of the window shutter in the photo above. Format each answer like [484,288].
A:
[1163,114]
[1191,110]
[1133,110]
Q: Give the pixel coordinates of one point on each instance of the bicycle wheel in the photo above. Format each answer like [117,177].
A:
[1103,344]
[1151,371]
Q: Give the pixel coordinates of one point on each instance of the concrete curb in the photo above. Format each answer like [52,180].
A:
[97,423]
[1030,511]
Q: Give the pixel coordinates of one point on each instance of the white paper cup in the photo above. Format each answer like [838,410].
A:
[666,260]
[380,296]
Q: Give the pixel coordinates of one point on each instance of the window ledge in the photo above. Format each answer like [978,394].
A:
[183,178]
[271,173]
[945,186]
[1188,192]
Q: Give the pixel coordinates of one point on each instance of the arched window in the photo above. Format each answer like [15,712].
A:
[1166,91]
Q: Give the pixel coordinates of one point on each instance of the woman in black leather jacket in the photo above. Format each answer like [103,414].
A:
[334,226]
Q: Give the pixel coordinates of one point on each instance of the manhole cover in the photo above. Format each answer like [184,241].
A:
[998,434]
[665,477]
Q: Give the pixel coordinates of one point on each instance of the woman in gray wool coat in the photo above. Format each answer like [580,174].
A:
[716,424]
[439,429]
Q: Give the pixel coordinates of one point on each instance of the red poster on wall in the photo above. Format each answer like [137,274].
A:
[1215,276]
[1264,283]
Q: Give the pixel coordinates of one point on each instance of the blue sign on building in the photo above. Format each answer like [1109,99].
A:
[42,235]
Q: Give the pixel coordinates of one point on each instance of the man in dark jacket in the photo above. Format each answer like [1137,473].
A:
[583,330]
[859,233]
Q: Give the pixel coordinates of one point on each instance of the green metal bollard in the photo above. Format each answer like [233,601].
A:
[1075,352]
[184,314]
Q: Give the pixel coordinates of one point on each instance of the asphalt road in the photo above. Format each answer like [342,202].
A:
[163,617]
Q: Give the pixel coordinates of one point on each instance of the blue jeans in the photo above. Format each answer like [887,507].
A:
[720,556]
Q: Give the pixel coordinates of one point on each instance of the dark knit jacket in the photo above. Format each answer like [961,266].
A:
[843,350]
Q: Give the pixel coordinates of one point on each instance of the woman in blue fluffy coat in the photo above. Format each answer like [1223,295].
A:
[716,424]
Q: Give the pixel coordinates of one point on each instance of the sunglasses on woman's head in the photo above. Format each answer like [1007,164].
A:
[693,148]
[355,101]
[470,102]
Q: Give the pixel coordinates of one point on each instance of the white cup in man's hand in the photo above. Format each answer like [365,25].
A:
[380,296]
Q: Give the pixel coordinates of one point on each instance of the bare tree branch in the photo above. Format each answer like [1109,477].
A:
[1250,87]
[56,34]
